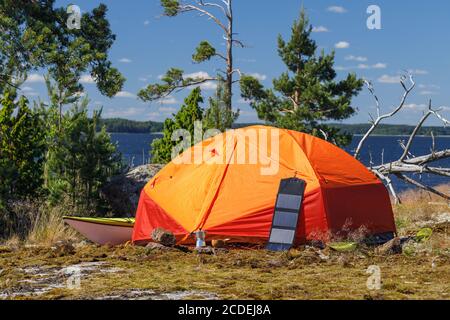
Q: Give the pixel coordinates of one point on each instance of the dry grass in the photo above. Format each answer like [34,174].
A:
[49,228]
[418,205]
[35,222]
[417,209]
[17,218]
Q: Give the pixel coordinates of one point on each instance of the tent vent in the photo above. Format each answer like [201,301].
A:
[286,214]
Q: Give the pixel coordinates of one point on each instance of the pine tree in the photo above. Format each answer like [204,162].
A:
[22,149]
[185,119]
[218,115]
[35,36]
[307,95]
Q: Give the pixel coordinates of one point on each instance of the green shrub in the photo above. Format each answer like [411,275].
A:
[80,161]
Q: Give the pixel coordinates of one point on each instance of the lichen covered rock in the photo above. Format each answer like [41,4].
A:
[164,237]
[123,191]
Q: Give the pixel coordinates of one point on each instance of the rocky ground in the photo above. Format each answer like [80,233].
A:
[420,269]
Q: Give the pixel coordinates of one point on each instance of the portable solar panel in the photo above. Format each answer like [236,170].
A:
[286,214]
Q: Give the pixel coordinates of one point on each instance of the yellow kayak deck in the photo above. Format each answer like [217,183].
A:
[122,222]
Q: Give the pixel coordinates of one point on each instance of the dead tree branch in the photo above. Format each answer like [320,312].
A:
[414,133]
[407,162]
[380,117]
[422,186]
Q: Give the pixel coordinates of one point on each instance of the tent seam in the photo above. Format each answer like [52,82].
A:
[318,175]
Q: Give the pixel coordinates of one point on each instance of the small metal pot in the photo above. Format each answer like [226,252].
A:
[200,238]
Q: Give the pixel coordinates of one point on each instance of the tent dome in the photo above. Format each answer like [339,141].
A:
[227,186]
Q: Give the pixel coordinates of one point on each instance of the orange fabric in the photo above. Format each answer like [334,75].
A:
[229,197]
[151,216]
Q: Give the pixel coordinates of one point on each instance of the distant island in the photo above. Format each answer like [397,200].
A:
[392,129]
[118,125]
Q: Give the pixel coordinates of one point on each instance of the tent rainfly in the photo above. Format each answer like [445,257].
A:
[231,192]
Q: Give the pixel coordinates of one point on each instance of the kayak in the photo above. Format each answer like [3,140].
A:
[113,231]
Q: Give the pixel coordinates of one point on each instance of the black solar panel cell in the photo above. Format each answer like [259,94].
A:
[289,201]
[282,236]
[285,219]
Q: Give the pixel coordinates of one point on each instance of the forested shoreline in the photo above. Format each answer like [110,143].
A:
[118,125]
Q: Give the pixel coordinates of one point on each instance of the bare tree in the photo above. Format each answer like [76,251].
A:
[220,12]
[407,163]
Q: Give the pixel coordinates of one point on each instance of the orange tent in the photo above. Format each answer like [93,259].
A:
[227,186]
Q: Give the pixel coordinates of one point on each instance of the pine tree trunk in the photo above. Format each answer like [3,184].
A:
[60,117]
[229,80]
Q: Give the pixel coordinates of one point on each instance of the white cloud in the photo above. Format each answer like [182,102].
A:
[379,66]
[125,60]
[414,106]
[427,93]
[356,58]
[154,116]
[136,113]
[259,76]
[125,94]
[243,101]
[124,112]
[319,29]
[31,93]
[197,75]
[168,100]
[389,79]
[80,94]
[167,109]
[418,71]
[146,22]
[146,78]
[429,89]
[363,66]
[86,78]
[34,77]
[208,85]
[342,45]
[429,86]
[337,9]
[27,89]
[374,66]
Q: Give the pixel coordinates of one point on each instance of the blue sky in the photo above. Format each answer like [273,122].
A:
[414,36]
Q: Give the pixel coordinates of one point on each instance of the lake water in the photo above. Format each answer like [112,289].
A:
[135,149]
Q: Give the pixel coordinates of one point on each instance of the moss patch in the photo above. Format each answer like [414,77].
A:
[237,274]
